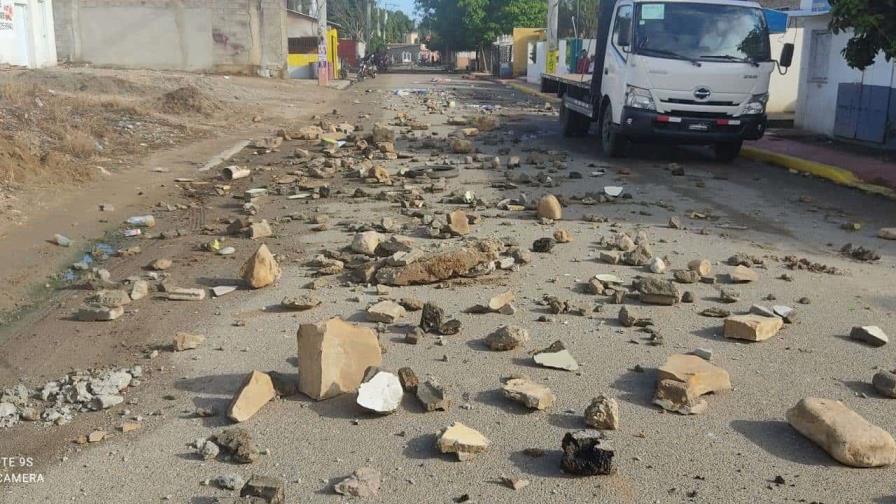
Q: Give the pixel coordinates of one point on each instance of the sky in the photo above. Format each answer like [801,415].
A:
[406,6]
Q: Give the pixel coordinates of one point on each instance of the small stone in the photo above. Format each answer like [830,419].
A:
[702,266]
[413,336]
[763,311]
[887,233]
[461,146]
[752,327]
[364,482]
[658,291]
[229,481]
[602,413]
[533,395]
[366,242]
[223,290]
[96,436]
[411,304]
[184,294]
[256,391]
[608,257]
[261,269]
[139,290]
[264,489]
[743,274]
[433,396]
[462,440]
[499,302]
[386,312]
[657,265]
[729,296]
[161,264]
[562,236]
[548,207]
[785,312]
[703,353]
[687,297]
[458,223]
[583,456]
[98,313]
[543,245]
[300,303]
[674,222]
[556,356]
[238,444]
[105,401]
[871,335]
[506,338]
[686,276]
[381,394]
[515,483]
[843,433]
[186,341]
[408,379]
[885,383]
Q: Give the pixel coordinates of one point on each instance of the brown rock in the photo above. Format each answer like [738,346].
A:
[702,266]
[533,395]
[333,356]
[462,440]
[385,311]
[743,274]
[683,379]
[439,267]
[549,208]
[752,327]
[261,269]
[408,379]
[562,236]
[458,223]
[256,391]
[161,264]
[186,341]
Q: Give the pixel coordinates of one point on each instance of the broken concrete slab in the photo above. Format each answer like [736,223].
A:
[264,489]
[99,313]
[531,394]
[683,379]
[381,394]
[462,440]
[583,454]
[871,335]
[752,327]
[602,413]
[184,294]
[743,274]
[556,356]
[261,269]
[843,433]
[333,356]
[256,391]
[440,267]
[658,291]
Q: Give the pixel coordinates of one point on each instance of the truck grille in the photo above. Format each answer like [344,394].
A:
[682,101]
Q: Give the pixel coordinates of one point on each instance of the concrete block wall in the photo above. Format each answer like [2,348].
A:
[228,36]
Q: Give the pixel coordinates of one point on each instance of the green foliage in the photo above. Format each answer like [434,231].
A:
[873,25]
[376,44]
[473,24]
[584,12]
[398,26]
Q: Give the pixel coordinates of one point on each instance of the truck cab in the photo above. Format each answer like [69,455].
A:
[680,71]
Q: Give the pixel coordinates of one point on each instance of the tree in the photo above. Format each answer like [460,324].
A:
[464,25]
[398,26]
[577,18]
[350,15]
[873,25]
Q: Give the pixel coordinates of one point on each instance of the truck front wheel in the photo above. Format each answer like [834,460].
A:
[573,123]
[612,143]
[728,151]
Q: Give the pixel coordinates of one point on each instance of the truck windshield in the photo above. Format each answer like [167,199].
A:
[699,31]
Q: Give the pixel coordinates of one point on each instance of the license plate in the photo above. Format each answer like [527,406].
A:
[700,126]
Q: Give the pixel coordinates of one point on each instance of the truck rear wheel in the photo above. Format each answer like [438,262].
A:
[573,123]
[727,151]
[612,143]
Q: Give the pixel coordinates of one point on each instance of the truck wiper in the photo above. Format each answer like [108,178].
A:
[663,52]
[729,57]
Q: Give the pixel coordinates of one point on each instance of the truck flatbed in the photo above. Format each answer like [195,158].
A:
[569,78]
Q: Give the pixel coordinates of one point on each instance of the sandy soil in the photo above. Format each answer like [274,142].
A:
[732,453]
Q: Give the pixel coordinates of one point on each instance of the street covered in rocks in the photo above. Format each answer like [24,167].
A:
[423,292]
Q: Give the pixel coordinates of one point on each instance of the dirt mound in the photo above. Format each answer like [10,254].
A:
[187,100]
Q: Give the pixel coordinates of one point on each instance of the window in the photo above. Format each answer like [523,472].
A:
[819,56]
[623,22]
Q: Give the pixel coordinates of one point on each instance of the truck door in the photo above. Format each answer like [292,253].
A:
[618,47]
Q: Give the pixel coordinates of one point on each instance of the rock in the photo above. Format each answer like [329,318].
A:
[885,383]
[843,433]
[506,338]
[716,313]
[533,395]
[207,449]
[785,312]
[381,394]
[186,341]
[556,356]
[515,483]
[703,353]
[238,445]
[729,296]
[687,297]
[583,456]
[264,489]
[223,290]
[549,208]
[256,391]
[433,396]
[333,356]
[763,311]
[432,320]
[485,122]
[602,413]
[139,290]
[887,233]
[411,304]
[462,440]
[640,256]
[657,265]
[871,335]
[458,223]
[702,266]
[461,146]
[441,267]
[608,257]
[110,298]
[184,294]
[683,379]
[658,291]
[382,133]
[300,303]
[105,401]
[379,173]
[743,274]
[674,222]
[752,327]
[261,269]
[385,311]
[364,482]
[258,230]
[543,245]
[408,379]
[686,276]
[229,481]
[366,242]
[500,302]
[161,264]
[98,313]
[562,236]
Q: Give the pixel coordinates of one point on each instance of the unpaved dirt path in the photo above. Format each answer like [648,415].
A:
[732,453]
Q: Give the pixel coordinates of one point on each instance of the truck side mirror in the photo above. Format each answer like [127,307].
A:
[624,35]
[786,55]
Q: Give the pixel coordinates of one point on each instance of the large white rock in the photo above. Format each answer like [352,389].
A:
[381,394]
[843,433]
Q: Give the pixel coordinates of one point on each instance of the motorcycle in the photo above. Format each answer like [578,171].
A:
[366,70]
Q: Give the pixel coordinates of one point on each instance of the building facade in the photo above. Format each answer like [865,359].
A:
[26,33]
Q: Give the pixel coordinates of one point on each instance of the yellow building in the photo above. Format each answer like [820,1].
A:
[303,46]
[521,39]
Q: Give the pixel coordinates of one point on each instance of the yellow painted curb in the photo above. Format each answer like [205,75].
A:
[534,92]
[835,174]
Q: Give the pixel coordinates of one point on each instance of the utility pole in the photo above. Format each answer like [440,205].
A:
[367,30]
[323,66]
[552,48]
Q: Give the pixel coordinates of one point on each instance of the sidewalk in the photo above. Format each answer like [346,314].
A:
[844,164]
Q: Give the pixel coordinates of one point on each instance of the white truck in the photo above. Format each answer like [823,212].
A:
[680,71]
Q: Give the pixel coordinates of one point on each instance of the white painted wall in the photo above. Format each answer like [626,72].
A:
[26,33]
[534,70]
[784,89]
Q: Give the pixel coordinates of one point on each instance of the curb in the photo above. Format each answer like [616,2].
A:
[835,174]
[532,92]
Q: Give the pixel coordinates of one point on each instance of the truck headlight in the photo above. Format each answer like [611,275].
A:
[756,105]
[639,98]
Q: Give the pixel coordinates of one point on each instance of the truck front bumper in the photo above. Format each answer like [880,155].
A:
[639,124]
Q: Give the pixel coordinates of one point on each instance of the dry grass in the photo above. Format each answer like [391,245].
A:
[79,144]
